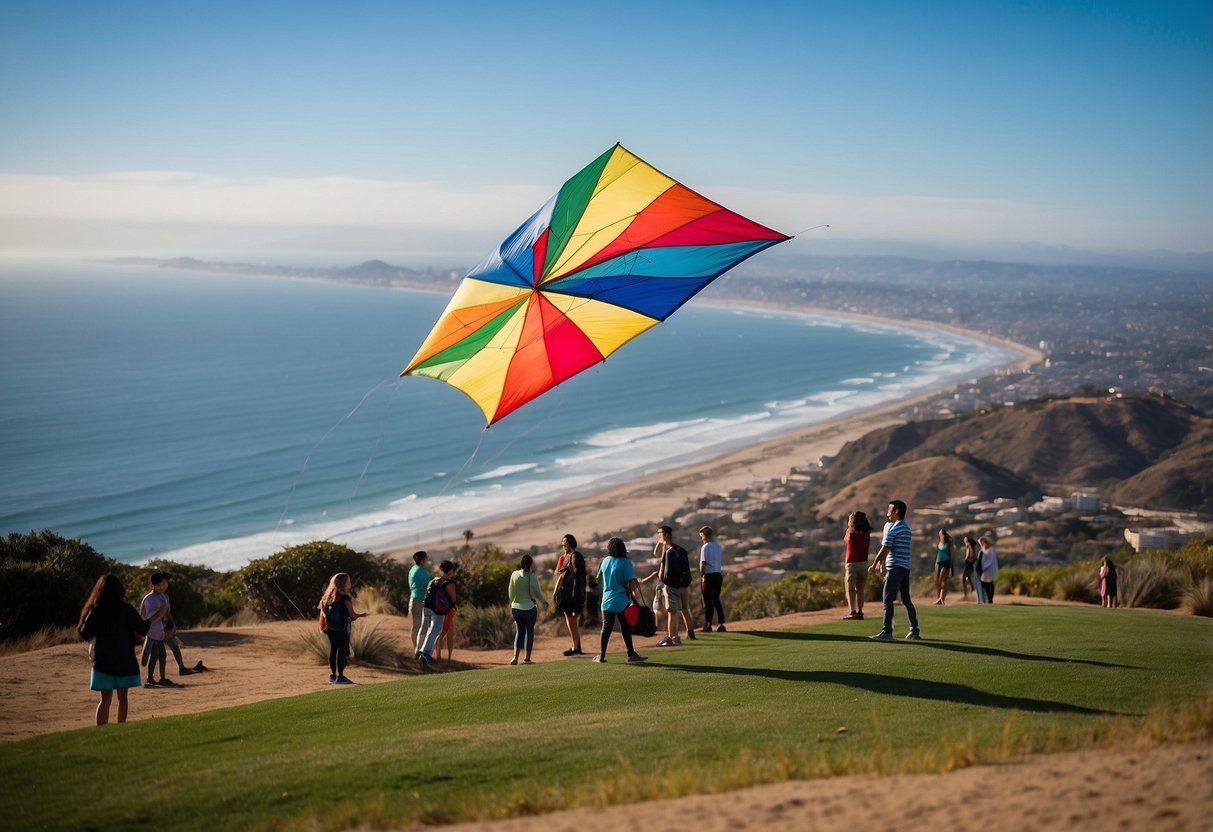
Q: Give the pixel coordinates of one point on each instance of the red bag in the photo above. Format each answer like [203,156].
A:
[324,622]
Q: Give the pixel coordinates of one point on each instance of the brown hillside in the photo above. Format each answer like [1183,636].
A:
[924,482]
[880,449]
[1067,443]
[1180,481]
[1075,442]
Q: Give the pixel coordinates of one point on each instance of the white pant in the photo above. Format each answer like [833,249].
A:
[417,612]
[431,628]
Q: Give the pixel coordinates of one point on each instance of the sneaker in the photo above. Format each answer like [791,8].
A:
[691,635]
[332,679]
[914,636]
[665,642]
[150,683]
[600,659]
[200,667]
[707,628]
[677,642]
[168,683]
[527,661]
[721,629]
[571,652]
[184,671]
[425,661]
[851,617]
[578,652]
[636,658]
[883,635]
[859,616]
[341,680]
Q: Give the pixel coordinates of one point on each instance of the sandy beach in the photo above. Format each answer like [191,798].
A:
[654,498]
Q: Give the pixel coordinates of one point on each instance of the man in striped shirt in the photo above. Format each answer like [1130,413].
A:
[894,558]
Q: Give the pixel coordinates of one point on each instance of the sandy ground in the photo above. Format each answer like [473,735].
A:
[1162,788]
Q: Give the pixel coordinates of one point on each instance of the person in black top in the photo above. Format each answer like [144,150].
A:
[338,608]
[571,576]
[114,627]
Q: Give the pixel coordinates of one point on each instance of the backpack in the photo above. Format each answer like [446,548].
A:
[566,593]
[677,567]
[436,597]
[332,617]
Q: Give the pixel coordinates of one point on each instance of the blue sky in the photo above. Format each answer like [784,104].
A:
[1082,124]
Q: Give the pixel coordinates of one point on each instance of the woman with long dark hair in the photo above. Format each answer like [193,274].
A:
[971,579]
[617,578]
[571,578]
[525,598]
[114,626]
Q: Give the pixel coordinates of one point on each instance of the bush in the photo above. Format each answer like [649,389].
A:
[45,580]
[1077,586]
[289,584]
[368,646]
[484,627]
[1151,582]
[187,588]
[803,592]
[1197,597]
[483,577]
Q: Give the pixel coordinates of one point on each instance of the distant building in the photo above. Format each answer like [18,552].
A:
[1082,501]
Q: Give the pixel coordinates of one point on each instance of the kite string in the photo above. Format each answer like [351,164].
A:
[814,228]
[306,460]
[378,439]
[450,480]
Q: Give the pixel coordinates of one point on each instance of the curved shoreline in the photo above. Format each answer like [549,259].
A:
[653,498]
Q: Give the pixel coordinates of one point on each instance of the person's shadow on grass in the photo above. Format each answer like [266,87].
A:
[958,647]
[900,686]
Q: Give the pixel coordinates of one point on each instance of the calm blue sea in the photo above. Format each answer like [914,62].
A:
[215,419]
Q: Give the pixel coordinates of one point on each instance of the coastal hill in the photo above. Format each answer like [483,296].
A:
[1150,452]
[927,482]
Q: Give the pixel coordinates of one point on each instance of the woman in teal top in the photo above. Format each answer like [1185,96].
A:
[525,598]
[618,581]
[943,564]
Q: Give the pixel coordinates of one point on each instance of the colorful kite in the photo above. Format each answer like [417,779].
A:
[616,251]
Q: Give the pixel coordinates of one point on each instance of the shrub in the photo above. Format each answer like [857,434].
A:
[1076,586]
[45,580]
[802,592]
[368,646]
[1150,582]
[483,577]
[289,584]
[187,587]
[484,627]
[1197,597]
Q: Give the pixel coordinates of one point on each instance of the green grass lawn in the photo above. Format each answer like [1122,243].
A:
[729,710]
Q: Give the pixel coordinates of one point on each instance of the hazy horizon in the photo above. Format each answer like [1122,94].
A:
[134,127]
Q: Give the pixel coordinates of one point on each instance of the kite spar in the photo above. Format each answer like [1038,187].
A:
[618,250]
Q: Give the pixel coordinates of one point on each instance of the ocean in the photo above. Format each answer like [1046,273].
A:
[215,419]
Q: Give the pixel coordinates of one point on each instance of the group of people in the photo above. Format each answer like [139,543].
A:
[114,629]
[893,563]
[432,600]
[619,588]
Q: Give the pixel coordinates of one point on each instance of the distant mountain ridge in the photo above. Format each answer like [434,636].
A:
[1148,452]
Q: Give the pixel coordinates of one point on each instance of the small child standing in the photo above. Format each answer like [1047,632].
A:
[155,610]
[1107,583]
